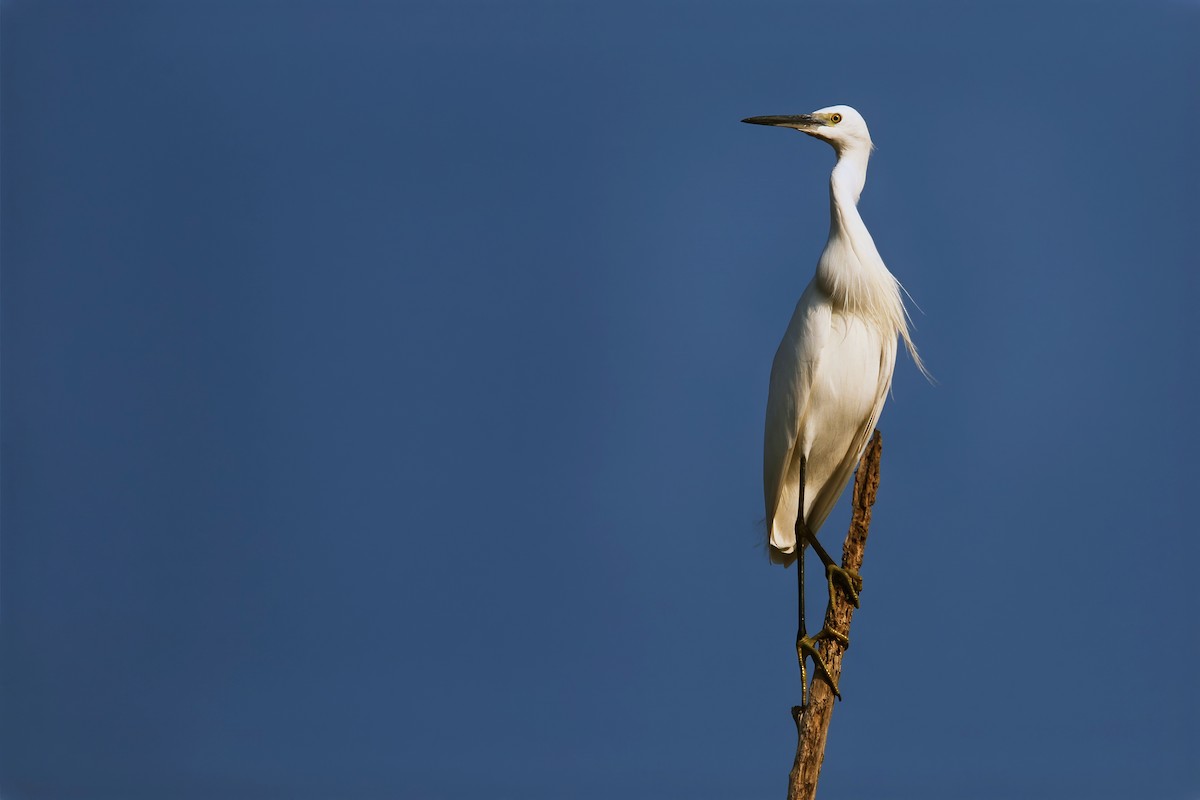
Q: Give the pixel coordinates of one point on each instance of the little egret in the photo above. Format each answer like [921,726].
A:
[831,373]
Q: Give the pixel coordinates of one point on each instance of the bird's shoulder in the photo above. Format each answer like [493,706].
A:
[795,364]
[806,334]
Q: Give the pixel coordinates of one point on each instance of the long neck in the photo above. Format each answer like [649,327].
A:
[845,186]
[850,271]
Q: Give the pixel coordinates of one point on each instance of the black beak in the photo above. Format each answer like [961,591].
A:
[801,122]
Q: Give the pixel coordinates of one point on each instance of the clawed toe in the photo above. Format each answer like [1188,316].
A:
[806,647]
[848,579]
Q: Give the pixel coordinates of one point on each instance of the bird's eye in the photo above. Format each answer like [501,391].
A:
[835,118]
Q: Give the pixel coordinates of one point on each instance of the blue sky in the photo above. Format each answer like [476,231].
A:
[382,393]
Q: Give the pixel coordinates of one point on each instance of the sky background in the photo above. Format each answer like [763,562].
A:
[383,388]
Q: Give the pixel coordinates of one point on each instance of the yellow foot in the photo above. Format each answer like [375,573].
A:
[848,579]
[806,648]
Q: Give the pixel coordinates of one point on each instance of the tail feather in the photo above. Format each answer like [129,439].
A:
[781,536]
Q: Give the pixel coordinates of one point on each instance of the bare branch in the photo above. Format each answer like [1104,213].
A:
[812,722]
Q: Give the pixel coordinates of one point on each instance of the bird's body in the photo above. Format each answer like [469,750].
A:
[834,366]
[822,405]
[832,371]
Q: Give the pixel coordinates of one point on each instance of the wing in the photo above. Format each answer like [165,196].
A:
[787,402]
[828,494]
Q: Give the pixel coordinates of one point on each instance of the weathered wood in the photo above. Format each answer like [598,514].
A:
[812,722]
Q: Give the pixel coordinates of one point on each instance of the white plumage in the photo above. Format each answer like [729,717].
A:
[834,366]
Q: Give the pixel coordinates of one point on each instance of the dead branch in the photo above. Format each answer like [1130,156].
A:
[812,722]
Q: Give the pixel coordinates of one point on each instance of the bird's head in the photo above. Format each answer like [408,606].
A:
[841,126]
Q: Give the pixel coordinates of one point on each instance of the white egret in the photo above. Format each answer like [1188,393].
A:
[831,373]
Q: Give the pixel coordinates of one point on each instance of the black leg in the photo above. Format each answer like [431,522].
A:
[802,630]
[806,646]
[850,580]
